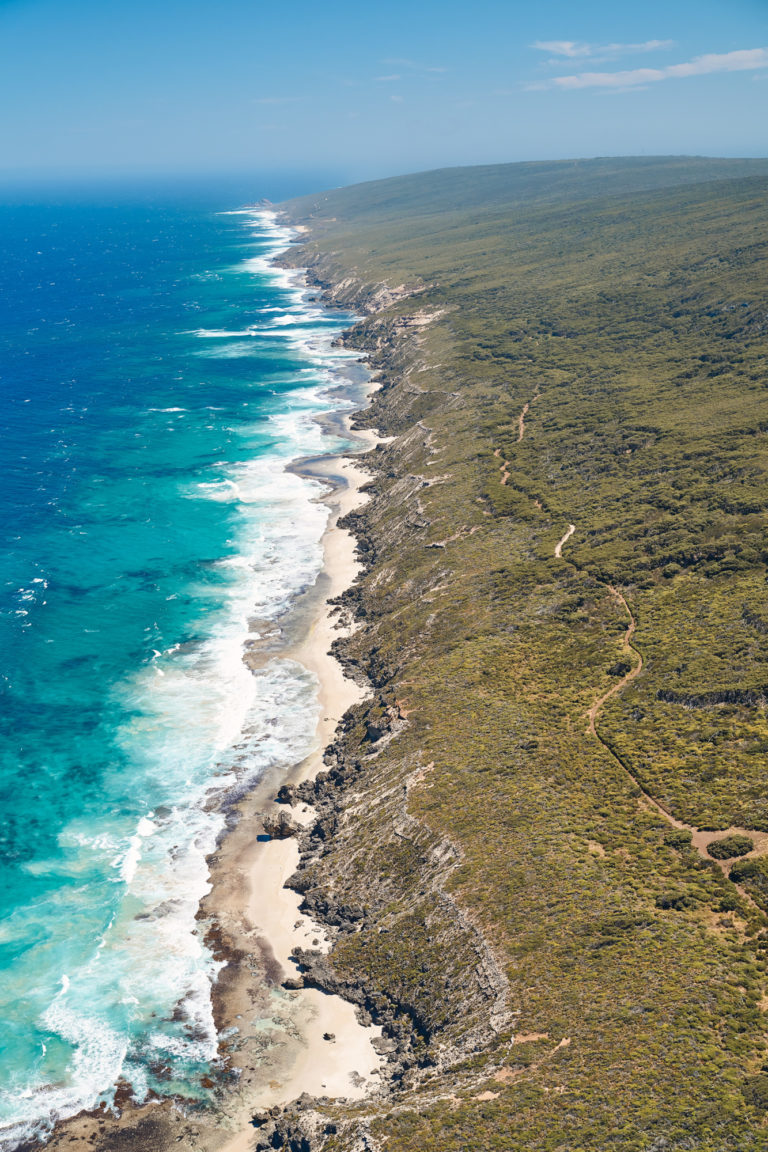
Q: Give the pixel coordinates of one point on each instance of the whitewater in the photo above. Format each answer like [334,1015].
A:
[154,534]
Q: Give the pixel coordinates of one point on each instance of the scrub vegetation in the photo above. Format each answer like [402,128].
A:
[522,817]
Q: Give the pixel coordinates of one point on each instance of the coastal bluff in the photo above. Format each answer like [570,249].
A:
[564,547]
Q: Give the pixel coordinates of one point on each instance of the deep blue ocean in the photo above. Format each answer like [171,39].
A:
[157,373]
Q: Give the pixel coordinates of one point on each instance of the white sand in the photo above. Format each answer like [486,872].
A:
[346,1066]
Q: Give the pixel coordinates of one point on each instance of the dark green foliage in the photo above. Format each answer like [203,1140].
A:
[756,1091]
[729,903]
[678,838]
[752,876]
[674,900]
[743,870]
[730,846]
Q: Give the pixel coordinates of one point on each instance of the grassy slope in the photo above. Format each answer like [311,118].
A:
[627,303]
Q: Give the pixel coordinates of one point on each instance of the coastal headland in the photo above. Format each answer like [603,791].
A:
[537,846]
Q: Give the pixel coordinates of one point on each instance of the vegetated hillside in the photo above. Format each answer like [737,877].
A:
[513,837]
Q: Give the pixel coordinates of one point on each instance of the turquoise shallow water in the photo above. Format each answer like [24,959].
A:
[158,373]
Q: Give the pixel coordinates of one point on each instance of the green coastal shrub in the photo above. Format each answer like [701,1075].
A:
[756,1091]
[753,876]
[491,642]
[729,903]
[730,846]
[673,900]
[748,870]
[678,838]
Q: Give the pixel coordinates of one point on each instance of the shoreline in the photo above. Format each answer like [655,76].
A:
[320,1048]
[249,894]
[277,1044]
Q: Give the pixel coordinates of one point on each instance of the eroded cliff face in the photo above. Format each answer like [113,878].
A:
[343,287]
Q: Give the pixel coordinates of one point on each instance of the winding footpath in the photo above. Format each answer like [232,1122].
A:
[627,649]
[505,464]
[700,838]
[522,416]
[564,540]
[504,469]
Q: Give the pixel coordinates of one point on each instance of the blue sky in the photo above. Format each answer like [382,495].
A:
[372,88]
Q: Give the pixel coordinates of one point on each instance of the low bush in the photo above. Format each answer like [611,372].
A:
[678,838]
[730,846]
[756,1091]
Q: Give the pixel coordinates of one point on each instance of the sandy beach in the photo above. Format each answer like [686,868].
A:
[249,894]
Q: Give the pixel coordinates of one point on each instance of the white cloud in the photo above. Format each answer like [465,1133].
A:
[744,60]
[412,65]
[578,49]
[388,79]
[569,48]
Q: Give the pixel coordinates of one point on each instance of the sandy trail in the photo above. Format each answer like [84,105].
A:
[564,540]
[522,416]
[521,422]
[628,650]
[504,469]
[505,464]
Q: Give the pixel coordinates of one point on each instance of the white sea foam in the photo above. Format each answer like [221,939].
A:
[220,333]
[202,725]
